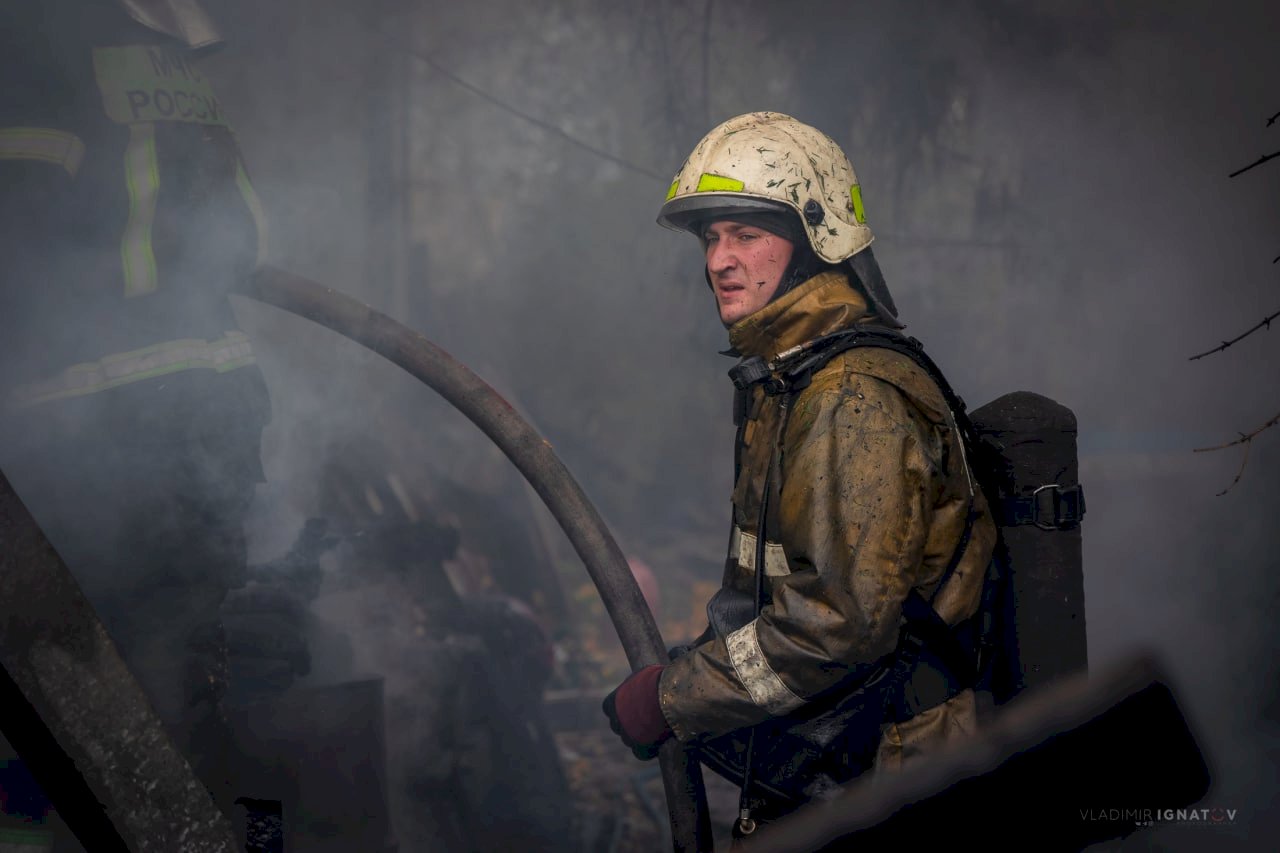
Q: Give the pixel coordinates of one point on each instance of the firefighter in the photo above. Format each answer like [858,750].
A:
[472,764]
[131,409]
[853,495]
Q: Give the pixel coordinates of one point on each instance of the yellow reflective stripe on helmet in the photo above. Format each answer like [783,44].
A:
[671,193]
[225,354]
[709,183]
[44,144]
[142,175]
[855,197]
[255,209]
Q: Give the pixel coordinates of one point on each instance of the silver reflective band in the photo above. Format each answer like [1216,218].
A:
[742,549]
[764,685]
[254,204]
[42,143]
[222,355]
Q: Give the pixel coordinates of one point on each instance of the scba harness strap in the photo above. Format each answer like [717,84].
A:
[931,663]
[824,743]
[926,639]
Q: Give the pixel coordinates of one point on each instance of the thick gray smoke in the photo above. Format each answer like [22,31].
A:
[1049,189]
[1048,186]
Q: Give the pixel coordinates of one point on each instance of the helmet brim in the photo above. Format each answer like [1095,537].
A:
[684,213]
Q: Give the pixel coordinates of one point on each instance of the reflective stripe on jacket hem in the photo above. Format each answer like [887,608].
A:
[764,685]
[225,354]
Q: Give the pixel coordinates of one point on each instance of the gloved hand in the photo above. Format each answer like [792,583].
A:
[635,714]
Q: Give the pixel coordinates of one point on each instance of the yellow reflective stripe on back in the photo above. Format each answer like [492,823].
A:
[42,143]
[709,183]
[855,196]
[671,193]
[142,174]
[255,209]
[225,354]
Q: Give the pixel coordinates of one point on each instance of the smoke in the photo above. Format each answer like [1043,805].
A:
[1047,185]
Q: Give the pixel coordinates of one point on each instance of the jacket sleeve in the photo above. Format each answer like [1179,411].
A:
[38,248]
[862,471]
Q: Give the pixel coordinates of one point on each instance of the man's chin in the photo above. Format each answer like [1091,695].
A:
[731,313]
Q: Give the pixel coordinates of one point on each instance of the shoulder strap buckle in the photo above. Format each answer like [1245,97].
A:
[748,372]
[1048,507]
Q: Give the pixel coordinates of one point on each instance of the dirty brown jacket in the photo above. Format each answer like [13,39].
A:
[874,496]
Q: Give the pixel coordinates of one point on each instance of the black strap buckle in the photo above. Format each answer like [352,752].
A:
[748,372]
[1049,507]
[1054,507]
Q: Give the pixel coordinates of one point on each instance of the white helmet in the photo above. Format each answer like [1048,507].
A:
[769,162]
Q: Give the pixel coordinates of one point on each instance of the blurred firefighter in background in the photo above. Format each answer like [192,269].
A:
[131,410]
[418,582]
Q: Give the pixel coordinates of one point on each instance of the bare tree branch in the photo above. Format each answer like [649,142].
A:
[1245,437]
[1265,323]
[1244,459]
[1247,440]
[1264,158]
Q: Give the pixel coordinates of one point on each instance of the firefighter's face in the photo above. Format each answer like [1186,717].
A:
[745,264]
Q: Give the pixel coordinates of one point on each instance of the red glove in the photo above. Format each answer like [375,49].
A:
[635,714]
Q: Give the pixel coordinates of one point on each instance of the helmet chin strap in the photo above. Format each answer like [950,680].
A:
[862,268]
[804,266]
[864,276]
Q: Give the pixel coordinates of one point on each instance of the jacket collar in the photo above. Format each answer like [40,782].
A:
[824,304]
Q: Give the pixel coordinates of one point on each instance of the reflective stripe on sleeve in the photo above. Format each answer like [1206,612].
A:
[222,355]
[742,549]
[44,144]
[764,685]
[254,204]
[142,174]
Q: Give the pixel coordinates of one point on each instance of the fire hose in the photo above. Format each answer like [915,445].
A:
[533,456]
